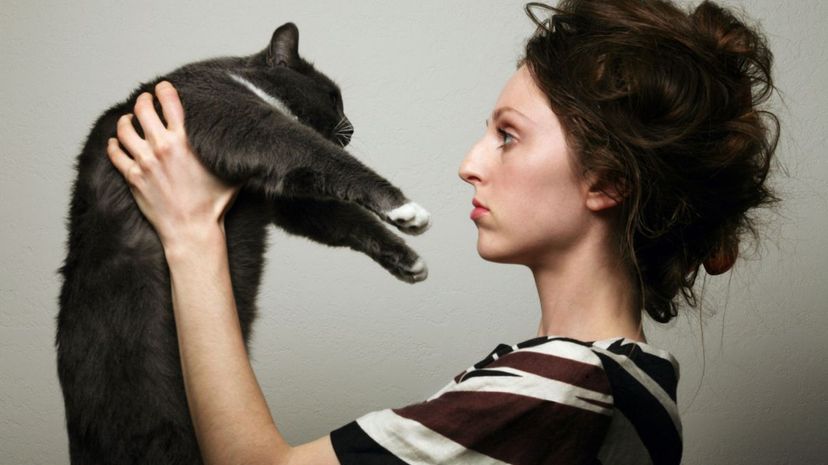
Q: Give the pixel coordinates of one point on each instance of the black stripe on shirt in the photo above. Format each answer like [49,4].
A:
[354,447]
[475,373]
[649,418]
[657,368]
[499,351]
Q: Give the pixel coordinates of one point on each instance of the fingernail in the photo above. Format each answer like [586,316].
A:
[163,84]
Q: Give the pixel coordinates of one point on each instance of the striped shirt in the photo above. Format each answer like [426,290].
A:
[547,400]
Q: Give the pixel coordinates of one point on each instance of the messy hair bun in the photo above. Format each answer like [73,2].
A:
[664,106]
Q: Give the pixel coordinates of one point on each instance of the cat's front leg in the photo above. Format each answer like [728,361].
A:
[342,177]
[280,156]
[337,223]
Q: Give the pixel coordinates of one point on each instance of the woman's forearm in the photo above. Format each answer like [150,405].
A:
[231,417]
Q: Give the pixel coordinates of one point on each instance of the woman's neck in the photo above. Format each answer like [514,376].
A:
[587,296]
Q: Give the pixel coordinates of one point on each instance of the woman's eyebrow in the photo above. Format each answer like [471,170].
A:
[500,110]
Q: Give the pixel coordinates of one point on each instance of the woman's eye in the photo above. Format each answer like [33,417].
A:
[505,136]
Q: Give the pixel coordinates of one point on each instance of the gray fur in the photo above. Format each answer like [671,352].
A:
[118,360]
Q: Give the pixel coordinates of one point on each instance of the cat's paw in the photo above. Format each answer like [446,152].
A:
[414,273]
[410,218]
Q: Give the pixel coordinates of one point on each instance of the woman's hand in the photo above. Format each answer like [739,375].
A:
[173,189]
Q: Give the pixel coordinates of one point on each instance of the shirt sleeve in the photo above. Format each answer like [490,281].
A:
[550,403]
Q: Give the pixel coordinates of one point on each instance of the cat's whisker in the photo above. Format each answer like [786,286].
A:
[343,137]
[343,131]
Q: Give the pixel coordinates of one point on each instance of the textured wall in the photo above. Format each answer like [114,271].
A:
[338,336]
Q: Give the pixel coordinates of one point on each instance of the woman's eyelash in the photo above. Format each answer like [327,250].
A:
[504,135]
[507,138]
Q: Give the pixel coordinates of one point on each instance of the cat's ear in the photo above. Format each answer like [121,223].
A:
[284,46]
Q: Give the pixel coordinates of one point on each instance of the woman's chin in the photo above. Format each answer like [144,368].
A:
[492,254]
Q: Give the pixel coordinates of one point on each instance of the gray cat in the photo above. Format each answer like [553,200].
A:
[269,121]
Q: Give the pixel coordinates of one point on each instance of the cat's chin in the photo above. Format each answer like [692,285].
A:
[410,218]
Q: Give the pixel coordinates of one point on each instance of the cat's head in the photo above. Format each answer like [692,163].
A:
[313,97]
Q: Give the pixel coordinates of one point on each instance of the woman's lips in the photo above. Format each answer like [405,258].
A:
[479,210]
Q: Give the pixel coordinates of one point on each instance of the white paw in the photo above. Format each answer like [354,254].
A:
[410,218]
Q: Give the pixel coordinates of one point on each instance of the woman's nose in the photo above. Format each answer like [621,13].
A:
[470,169]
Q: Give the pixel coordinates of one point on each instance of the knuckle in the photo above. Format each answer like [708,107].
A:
[163,146]
[179,137]
[146,159]
[134,175]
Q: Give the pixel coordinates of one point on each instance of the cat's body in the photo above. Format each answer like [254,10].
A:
[268,121]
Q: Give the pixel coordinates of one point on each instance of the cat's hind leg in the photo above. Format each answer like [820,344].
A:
[337,223]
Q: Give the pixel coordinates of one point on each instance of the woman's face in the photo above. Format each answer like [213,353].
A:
[532,201]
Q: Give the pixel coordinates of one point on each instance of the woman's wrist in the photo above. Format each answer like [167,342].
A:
[189,243]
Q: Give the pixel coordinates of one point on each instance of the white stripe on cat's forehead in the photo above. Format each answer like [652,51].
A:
[269,99]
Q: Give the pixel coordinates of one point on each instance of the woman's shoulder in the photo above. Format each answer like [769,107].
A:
[553,369]
[639,381]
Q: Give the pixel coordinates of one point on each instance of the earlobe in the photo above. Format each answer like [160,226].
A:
[600,198]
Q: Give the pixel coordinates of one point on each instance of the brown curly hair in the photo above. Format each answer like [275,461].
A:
[663,105]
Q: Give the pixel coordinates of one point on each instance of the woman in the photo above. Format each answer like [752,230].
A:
[623,154]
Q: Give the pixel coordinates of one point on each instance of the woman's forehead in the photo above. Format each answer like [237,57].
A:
[523,95]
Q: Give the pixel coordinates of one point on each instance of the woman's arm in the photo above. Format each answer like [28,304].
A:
[186,205]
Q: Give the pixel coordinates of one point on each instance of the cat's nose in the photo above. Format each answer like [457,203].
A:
[343,131]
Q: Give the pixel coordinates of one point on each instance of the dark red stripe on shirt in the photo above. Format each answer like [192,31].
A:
[562,369]
[513,428]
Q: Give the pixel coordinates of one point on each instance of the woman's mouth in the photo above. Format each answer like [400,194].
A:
[479,210]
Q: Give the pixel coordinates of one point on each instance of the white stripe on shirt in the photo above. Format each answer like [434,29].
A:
[415,444]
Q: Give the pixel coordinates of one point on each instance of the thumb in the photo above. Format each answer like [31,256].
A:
[233,194]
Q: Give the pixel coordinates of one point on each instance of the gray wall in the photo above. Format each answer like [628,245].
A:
[339,337]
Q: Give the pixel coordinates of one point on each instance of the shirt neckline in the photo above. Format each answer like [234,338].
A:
[604,343]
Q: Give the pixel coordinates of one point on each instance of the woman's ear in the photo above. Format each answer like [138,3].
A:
[601,195]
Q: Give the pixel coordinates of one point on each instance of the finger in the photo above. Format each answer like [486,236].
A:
[123,163]
[129,138]
[147,116]
[170,105]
